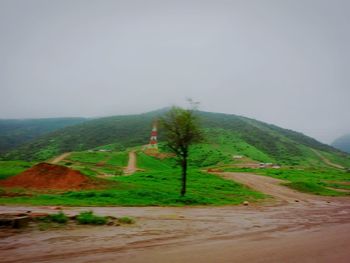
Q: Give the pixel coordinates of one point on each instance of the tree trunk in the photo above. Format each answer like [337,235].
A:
[184,176]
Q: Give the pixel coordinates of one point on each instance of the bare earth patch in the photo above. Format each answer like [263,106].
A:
[59,158]
[131,168]
[51,176]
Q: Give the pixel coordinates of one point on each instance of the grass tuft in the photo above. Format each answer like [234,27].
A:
[59,218]
[88,218]
[126,220]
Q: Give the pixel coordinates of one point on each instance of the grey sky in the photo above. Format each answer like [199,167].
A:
[283,62]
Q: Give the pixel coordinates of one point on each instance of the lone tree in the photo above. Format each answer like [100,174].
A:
[181,129]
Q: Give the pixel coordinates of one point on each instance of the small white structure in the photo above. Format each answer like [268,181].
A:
[276,166]
[269,165]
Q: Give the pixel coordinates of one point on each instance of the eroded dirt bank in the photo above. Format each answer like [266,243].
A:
[314,229]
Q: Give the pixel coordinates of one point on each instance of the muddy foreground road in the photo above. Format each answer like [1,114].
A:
[294,228]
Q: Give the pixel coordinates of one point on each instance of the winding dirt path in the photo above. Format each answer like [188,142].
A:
[131,168]
[327,161]
[59,158]
[270,186]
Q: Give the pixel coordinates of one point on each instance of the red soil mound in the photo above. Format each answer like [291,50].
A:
[49,176]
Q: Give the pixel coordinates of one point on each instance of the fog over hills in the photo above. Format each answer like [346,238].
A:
[342,143]
[282,62]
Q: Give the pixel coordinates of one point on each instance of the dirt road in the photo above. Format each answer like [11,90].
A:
[327,161]
[59,158]
[131,168]
[315,229]
[270,186]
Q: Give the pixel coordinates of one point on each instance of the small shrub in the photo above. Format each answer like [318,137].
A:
[119,172]
[106,194]
[88,218]
[126,220]
[60,218]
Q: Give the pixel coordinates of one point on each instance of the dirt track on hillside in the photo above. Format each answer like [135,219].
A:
[315,229]
[131,168]
[59,158]
[327,161]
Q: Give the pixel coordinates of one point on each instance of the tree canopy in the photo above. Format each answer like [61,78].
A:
[180,128]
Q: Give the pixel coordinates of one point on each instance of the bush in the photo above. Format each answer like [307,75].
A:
[119,171]
[88,218]
[126,220]
[60,218]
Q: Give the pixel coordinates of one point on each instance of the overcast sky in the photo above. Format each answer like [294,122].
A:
[283,62]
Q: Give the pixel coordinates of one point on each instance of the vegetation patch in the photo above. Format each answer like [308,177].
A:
[225,135]
[10,168]
[153,188]
[89,157]
[89,218]
[60,218]
[126,220]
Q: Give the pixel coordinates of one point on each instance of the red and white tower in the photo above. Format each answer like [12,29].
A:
[153,143]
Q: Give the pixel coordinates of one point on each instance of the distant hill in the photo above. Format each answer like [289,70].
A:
[226,135]
[14,132]
[342,143]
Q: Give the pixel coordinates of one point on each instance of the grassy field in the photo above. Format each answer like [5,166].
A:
[150,189]
[319,181]
[9,168]
[158,184]
[112,158]
[97,163]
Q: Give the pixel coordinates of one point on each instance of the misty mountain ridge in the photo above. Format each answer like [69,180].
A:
[14,132]
[226,135]
[342,143]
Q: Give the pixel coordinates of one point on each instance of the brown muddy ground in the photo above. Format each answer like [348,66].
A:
[314,229]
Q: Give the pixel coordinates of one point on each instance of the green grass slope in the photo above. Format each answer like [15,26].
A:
[157,185]
[16,132]
[121,131]
[226,135]
[10,168]
[279,145]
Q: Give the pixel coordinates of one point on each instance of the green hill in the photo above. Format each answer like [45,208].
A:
[14,132]
[342,143]
[226,135]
